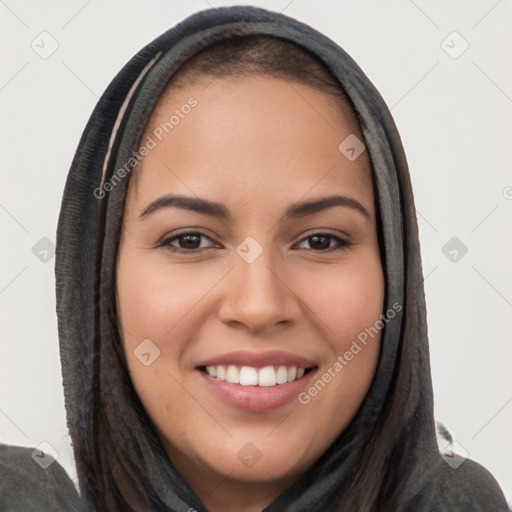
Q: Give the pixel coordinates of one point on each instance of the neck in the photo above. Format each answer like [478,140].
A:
[234,496]
[223,493]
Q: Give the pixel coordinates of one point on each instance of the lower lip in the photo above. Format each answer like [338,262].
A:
[256,398]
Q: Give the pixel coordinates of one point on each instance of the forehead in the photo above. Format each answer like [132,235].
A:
[251,137]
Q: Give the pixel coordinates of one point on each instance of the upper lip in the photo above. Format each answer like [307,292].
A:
[258,359]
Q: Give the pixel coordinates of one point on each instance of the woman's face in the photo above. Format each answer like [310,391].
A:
[238,274]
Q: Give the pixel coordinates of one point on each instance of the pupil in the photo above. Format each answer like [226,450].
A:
[315,239]
[190,241]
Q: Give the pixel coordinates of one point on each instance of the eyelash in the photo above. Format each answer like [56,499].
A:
[343,244]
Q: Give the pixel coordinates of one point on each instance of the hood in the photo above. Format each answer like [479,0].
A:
[395,421]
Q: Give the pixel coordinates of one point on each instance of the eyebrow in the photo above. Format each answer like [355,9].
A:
[218,210]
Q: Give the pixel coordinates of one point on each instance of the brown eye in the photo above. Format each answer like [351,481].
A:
[322,242]
[186,243]
[189,241]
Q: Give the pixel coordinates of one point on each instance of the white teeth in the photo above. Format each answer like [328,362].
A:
[221,372]
[282,375]
[267,376]
[233,375]
[249,376]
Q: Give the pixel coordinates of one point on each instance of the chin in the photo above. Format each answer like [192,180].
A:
[285,466]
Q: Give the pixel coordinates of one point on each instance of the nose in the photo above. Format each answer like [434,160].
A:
[258,296]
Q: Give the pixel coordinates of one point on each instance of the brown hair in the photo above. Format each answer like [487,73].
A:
[256,55]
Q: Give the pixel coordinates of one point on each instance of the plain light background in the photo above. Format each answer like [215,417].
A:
[453,108]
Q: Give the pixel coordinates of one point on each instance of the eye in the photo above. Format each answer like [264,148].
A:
[191,242]
[186,243]
[322,242]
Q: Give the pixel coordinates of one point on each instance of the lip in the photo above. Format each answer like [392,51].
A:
[258,359]
[256,398]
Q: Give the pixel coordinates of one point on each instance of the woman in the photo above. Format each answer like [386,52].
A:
[239,286]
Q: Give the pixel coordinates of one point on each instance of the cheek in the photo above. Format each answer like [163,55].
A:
[352,312]
[349,299]
[155,302]
[153,297]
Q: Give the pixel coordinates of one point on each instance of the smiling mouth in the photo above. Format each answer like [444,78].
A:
[266,376]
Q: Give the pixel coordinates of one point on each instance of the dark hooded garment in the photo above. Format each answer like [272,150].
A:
[393,434]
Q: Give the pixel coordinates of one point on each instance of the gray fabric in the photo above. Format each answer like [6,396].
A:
[93,366]
[29,486]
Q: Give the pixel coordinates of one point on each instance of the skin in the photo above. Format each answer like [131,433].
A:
[257,145]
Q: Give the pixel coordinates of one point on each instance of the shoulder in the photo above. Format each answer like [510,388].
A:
[31,480]
[469,487]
